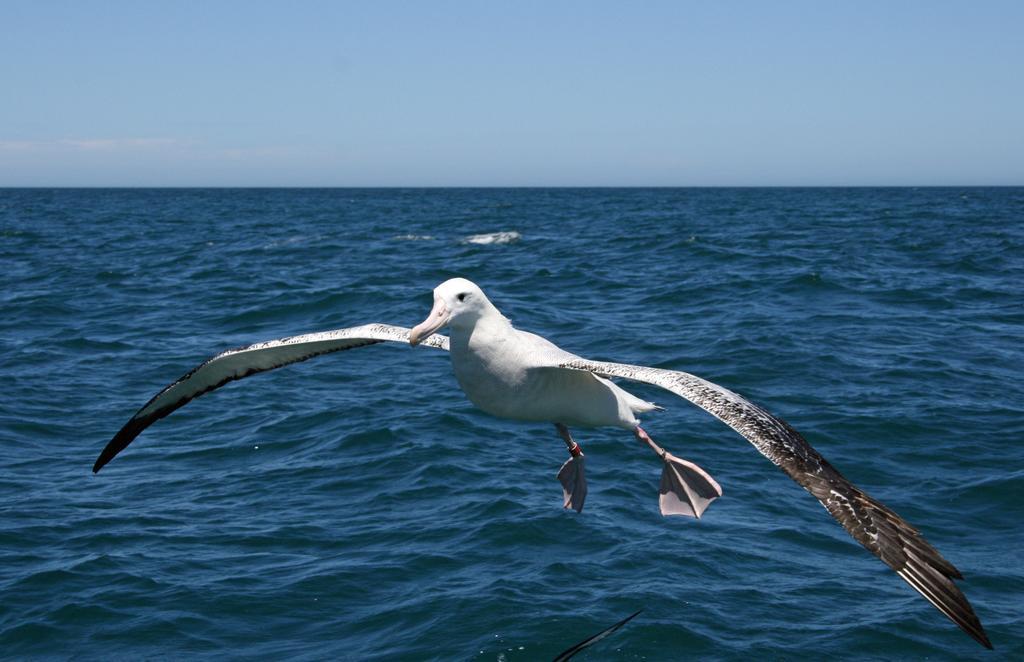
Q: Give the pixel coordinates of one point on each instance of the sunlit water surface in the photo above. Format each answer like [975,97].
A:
[358,507]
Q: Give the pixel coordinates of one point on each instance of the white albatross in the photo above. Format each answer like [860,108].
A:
[514,374]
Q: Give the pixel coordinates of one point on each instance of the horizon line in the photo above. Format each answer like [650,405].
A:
[4,187]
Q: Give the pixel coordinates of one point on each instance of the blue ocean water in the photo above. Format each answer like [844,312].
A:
[357,506]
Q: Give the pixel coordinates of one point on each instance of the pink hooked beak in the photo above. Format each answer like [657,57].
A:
[437,318]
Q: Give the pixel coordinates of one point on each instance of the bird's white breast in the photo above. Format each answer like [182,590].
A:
[511,374]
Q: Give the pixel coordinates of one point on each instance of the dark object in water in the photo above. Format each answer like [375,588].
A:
[589,641]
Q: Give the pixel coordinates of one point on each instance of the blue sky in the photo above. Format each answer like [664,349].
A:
[510,93]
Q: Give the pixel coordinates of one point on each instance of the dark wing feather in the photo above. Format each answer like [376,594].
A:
[870,522]
[244,361]
[568,653]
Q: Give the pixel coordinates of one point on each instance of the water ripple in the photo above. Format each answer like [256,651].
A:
[357,507]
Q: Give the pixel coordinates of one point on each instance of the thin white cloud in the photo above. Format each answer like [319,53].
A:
[90,144]
[19,145]
[119,143]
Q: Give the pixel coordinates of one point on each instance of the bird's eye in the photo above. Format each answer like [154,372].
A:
[461,297]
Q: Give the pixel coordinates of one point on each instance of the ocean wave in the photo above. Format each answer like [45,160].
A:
[506,237]
[287,241]
[413,237]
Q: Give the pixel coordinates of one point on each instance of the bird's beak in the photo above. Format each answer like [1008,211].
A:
[437,318]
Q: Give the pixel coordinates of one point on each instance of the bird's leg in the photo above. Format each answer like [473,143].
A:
[574,449]
[571,475]
[685,488]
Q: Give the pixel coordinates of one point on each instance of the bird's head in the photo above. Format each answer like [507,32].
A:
[458,302]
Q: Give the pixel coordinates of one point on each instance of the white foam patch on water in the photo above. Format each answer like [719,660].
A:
[413,237]
[288,241]
[492,238]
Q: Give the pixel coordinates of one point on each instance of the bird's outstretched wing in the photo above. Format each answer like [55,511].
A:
[887,535]
[244,361]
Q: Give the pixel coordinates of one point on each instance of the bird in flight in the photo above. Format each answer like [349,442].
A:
[515,374]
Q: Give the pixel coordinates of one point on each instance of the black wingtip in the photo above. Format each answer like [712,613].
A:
[102,460]
[982,637]
[573,650]
[108,453]
[977,632]
[120,441]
